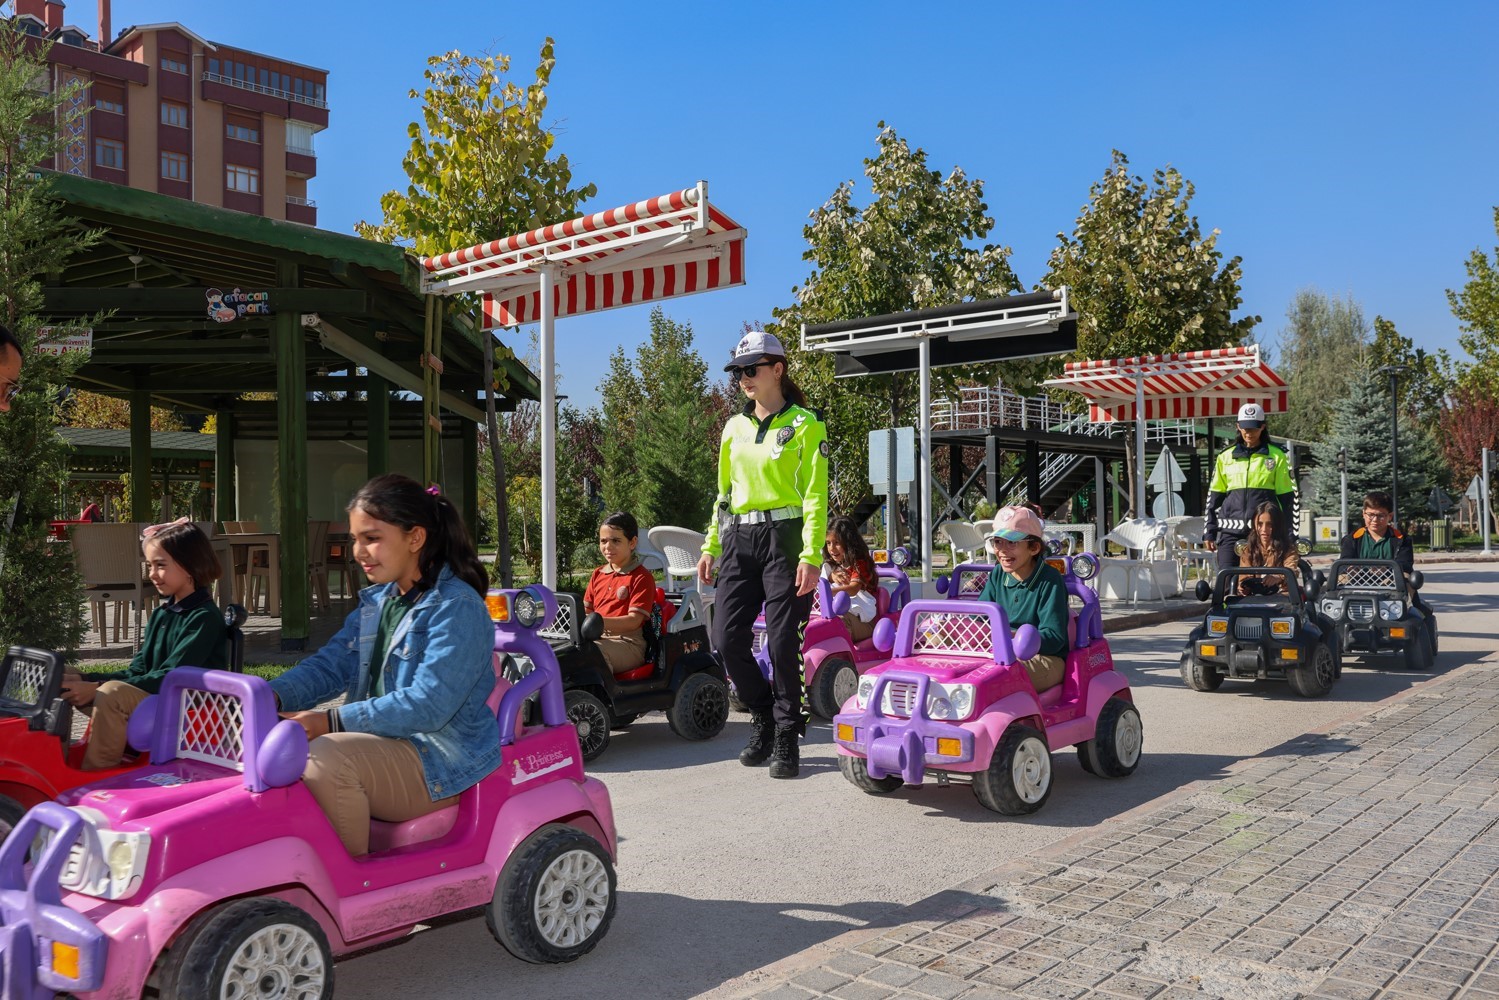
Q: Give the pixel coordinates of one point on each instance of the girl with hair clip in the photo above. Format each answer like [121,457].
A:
[186,631]
[1267,545]
[849,568]
[415,662]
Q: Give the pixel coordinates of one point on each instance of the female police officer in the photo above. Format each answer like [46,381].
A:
[766,538]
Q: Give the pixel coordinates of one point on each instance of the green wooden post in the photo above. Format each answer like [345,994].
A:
[140,456]
[431,386]
[291,415]
[469,471]
[378,456]
[225,502]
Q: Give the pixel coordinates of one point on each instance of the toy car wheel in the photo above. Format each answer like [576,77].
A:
[591,718]
[1418,654]
[1018,778]
[249,947]
[1431,635]
[701,708]
[11,812]
[856,770]
[1200,676]
[623,721]
[1314,679]
[1114,751]
[834,683]
[554,899]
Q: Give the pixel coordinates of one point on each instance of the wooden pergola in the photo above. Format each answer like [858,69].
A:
[331,325]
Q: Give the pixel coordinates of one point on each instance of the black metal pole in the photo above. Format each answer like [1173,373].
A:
[1394,450]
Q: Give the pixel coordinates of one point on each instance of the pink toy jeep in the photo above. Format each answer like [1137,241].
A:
[213,873]
[956,700]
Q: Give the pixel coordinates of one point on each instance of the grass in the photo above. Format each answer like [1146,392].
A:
[270,671]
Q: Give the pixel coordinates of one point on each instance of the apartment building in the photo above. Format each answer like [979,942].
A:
[175,113]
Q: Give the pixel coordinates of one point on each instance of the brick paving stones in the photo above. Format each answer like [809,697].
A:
[1355,865]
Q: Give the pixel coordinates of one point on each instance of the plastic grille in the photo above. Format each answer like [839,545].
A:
[899,699]
[757,640]
[962,633]
[1361,612]
[1252,629]
[971,582]
[211,728]
[26,680]
[1366,577]
[816,603]
[560,627]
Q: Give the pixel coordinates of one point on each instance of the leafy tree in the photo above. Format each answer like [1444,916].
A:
[1467,424]
[41,593]
[911,246]
[1321,350]
[1426,381]
[481,165]
[620,392]
[1142,277]
[1477,310]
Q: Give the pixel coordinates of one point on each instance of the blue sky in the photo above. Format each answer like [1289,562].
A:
[1345,146]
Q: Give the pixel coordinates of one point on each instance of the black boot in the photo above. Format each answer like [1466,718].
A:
[786,757]
[757,750]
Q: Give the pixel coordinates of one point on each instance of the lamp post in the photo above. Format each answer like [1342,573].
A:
[1394,372]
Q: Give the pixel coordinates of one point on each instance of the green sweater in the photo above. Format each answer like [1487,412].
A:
[189,633]
[1040,600]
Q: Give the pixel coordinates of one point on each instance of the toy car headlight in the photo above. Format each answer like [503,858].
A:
[1218,626]
[1283,627]
[1332,608]
[901,556]
[1085,566]
[949,701]
[528,609]
[1392,610]
[865,692]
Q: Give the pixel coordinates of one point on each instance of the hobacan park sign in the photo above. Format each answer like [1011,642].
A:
[226,307]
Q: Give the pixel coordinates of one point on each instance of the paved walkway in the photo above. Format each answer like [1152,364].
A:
[1359,863]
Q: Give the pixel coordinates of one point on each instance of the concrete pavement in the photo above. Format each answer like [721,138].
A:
[1356,863]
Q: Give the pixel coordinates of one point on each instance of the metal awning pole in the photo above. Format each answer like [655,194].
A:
[548,429]
[924,351]
[1140,509]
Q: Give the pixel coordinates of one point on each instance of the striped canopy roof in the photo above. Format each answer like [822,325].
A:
[673,245]
[1176,386]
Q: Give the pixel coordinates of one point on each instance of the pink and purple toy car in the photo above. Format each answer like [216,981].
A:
[831,660]
[956,700]
[213,873]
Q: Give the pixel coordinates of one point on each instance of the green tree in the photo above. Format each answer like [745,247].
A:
[620,393]
[481,165]
[1321,349]
[1142,277]
[41,594]
[912,245]
[1477,310]
[1425,383]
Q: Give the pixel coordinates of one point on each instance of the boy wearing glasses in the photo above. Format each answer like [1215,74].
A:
[1379,538]
[10,368]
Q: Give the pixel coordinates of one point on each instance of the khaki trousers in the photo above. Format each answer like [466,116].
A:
[356,777]
[110,710]
[622,652]
[858,631]
[1046,671]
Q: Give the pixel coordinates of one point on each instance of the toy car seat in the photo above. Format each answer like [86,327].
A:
[654,628]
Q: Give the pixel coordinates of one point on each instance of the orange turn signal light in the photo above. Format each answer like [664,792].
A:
[1397,633]
[1209,650]
[845,732]
[65,960]
[947,746]
[499,606]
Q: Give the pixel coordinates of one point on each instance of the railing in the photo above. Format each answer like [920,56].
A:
[284,95]
[301,150]
[292,199]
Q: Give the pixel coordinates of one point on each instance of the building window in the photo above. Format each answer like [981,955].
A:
[111,99]
[109,153]
[174,166]
[243,179]
[213,65]
[174,62]
[246,130]
[174,114]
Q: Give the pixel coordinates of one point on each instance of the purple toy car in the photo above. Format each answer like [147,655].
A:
[213,873]
[955,700]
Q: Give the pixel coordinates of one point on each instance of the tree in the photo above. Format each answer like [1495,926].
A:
[481,165]
[41,593]
[1467,424]
[1322,348]
[911,246]
[1142,277]
[1425,383]
[1477,310]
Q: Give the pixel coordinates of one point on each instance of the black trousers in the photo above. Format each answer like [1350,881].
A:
[1228,555]
[759,566]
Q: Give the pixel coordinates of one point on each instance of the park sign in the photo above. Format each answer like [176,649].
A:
[226,307]
[76,340]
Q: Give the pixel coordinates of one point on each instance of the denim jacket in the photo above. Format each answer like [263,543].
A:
[438,673]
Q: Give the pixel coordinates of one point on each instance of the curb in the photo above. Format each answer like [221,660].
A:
[1121,623]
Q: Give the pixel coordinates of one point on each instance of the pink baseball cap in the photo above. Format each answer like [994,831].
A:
[1016,523]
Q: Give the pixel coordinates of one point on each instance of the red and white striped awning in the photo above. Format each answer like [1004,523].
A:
[673,245]
[1176,386]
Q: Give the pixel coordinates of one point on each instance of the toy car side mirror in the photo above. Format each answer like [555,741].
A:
[884,635]
[1417,578]
[944,584]
[840,604]
[1027,642]
[1204,590]
[592,627]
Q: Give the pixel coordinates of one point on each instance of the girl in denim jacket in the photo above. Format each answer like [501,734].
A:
[415,662]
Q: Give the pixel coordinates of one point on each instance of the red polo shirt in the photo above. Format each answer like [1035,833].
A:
[615,593]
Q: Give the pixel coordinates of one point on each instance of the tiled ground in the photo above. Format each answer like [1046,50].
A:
[1359,864]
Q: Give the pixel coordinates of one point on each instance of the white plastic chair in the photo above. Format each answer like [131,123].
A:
[651,557]
[1145,541]
[1188,549]
[984,527]
[680,549]
[109,559]
[963,537]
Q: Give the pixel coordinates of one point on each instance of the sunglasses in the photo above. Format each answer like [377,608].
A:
[747,371]
[10,390]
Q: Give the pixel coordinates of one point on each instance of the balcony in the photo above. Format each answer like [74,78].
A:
[302,210]
[254,88]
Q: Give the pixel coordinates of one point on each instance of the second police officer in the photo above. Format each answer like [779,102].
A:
[1252,471]
[765,542]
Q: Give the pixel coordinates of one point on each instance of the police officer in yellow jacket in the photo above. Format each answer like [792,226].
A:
[765,541]
[1252,471]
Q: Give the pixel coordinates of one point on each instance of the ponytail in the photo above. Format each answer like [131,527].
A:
[400,500]
[790,389]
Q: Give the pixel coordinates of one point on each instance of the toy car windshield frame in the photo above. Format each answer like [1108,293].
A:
[1367,576]
[30,681]
[1294,594]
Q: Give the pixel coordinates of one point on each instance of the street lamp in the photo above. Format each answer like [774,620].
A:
[1394,371]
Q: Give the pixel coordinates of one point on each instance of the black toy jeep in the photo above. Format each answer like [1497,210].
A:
[1376,613]
[1262,625]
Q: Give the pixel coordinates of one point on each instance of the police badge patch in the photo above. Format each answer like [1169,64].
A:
[822,446]
[1269,463]
[783,436]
